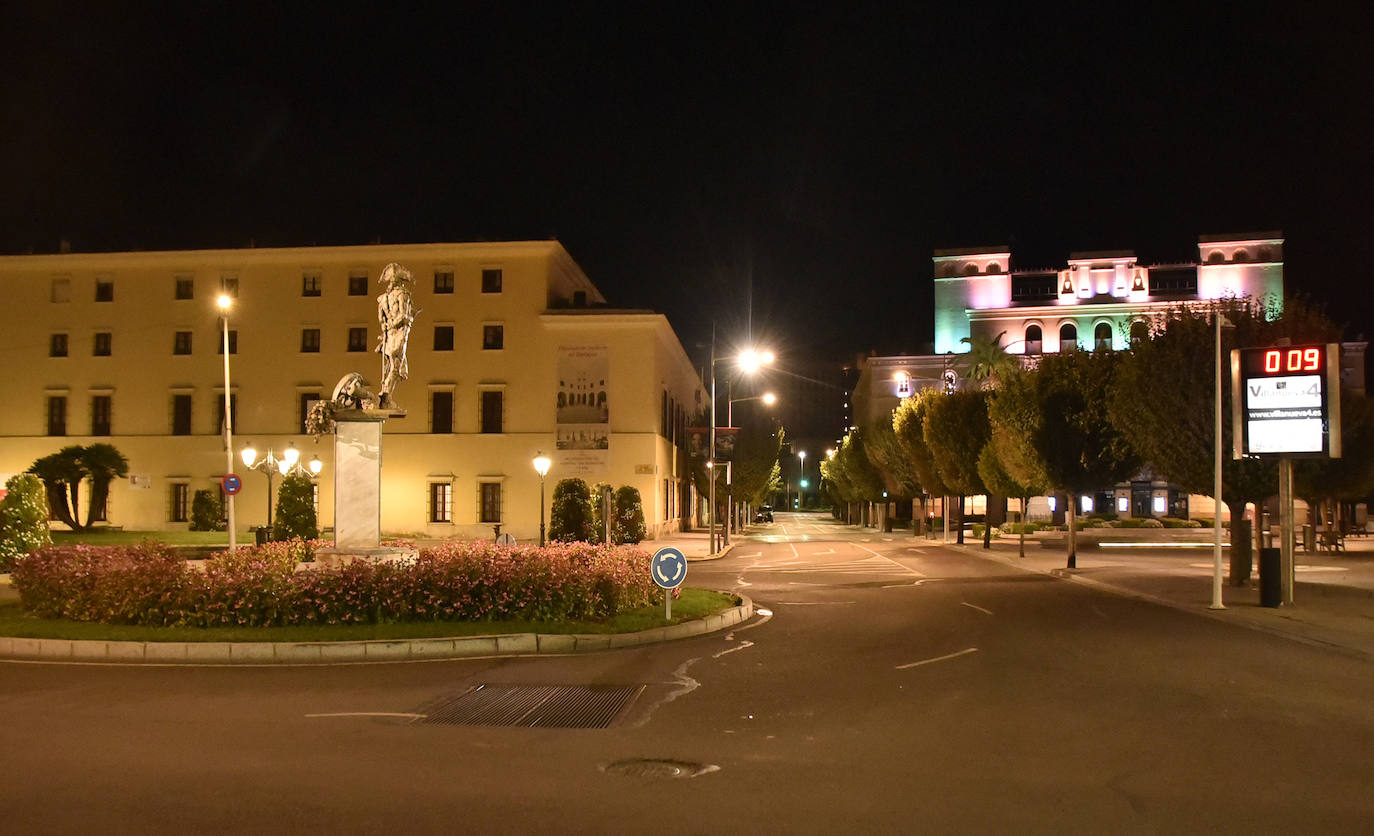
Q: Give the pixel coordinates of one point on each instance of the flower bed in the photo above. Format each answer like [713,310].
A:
[149,584]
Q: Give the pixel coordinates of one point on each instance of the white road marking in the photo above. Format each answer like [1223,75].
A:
[740,646]
[913,583]
[914,549]
[755,554]
[937,659]
[371,714]
[814,603]
[907,569]
[827,551]
[794,550]
[976,607]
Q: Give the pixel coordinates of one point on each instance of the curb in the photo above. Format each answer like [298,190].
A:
[709,557]
[383,650]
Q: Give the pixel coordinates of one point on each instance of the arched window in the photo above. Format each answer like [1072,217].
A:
[1240,255]
[1102,337]
[1033,339]
[971,270]
[1215,257]
[1140,332]
[994,267]
[1068,337]
[1266,254]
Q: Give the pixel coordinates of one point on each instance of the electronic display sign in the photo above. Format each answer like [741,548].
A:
[1286,400]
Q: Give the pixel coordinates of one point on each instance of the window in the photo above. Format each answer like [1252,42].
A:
[1068,337]
[1102,337]
[229,285]
[181,414]
[440,502]
[177,501]
[233,342]
[357,339]
[443,338]
[357,284]
[443,281]
[57,345]
[181,342]
[310,340]
[61,290]
[233,411]
[307,400]
[100,414]
[1033,339]
[491,412]
[103,341]
[310,284]
[57,415]
[1140,332]
[441,412]
[493,337]
[185,288]
[490,498]
[104,290]
[491,281]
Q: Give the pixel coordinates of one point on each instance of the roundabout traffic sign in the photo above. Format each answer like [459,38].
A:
[668,567]
[232,483]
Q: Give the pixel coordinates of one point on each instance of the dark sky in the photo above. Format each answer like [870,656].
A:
[800,161]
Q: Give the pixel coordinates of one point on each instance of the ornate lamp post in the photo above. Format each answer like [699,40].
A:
[224,303]
[288,462]
[541,466]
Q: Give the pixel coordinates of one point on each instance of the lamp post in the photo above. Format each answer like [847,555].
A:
[541,466]
[288,462]
[1221,322]
[224,302]
[768,398]
[748,361]
[801,479]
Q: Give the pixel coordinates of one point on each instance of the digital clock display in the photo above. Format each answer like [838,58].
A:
[1286,400]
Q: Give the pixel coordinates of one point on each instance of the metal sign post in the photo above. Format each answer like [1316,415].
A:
[668,568]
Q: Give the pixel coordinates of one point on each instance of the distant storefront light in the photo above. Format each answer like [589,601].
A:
[1161,504]
[1087,503]
[1123,504]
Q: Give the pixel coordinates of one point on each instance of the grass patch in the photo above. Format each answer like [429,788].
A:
[694,603]
[126,538]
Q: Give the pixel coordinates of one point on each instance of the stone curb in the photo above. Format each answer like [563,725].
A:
[717,556]
[385,650]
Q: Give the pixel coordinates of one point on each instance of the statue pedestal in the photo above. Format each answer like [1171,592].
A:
[358,488]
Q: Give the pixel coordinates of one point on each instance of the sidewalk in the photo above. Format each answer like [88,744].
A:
[1333,599]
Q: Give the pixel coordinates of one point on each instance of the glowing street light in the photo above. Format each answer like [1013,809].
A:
[288,463]
[224,303]
[541,466]
[748,361]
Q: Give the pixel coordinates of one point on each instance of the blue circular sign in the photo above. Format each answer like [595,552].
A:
[232,483]
[668,567]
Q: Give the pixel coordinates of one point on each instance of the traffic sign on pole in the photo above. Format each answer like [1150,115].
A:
[232,483]
[668,568]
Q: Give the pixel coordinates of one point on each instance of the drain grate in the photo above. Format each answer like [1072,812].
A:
[536,706]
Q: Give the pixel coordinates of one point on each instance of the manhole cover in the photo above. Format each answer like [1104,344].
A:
[542,706]
[652,768]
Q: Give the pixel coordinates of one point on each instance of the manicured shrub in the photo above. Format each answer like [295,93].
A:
[628,525]
[205,512]
[150,584]
[570,519]
[23,519]
[1175,522]
[295,509]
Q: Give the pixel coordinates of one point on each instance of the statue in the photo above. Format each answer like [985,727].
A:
[395,311]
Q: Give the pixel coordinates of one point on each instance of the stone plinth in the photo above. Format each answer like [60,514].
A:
[329,558]
[358,479]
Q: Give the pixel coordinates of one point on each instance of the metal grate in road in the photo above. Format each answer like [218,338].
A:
[536,706]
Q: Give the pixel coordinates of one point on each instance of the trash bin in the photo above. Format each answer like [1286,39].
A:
[1307,538]
[1270,582]
[260,535]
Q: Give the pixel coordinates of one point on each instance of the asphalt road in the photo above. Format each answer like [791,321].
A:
[897,687]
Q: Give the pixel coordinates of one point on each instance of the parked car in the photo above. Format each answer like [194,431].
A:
[765,514]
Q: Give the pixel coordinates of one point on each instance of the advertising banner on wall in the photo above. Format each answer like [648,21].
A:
[583,421]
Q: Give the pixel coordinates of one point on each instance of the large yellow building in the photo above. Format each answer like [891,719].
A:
[513,352]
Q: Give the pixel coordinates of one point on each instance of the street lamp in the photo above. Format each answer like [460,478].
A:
[224,303]
[767,397]
[541,466]
[748,361]
[1221,322]
[288,463]
[801,479]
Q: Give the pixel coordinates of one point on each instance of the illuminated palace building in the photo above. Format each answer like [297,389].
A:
[513,352]
[1100,300]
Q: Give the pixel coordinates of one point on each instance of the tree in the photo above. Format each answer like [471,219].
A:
[999,481]
[62,473]
[295,509]
[853,475]
[628,525]
[894,468]
[570,518]
[205,512]
[756,467]
[23,519]
[987,360]
[956,430]
[1060,408]
[908,427]
[102,463]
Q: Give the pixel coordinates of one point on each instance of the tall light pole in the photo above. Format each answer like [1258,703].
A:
[768,398]
[224,303]
[748,361]
[541,466]
[1221,321]
[801,479]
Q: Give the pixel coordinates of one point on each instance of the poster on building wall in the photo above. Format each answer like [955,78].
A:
[583,422]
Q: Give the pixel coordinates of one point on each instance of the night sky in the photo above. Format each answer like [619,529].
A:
[787,167]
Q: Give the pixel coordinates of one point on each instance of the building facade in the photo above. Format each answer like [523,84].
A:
[1098,300]
[513,352]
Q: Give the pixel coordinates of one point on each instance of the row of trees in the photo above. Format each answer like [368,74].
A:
[1080,421]
[578,514]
